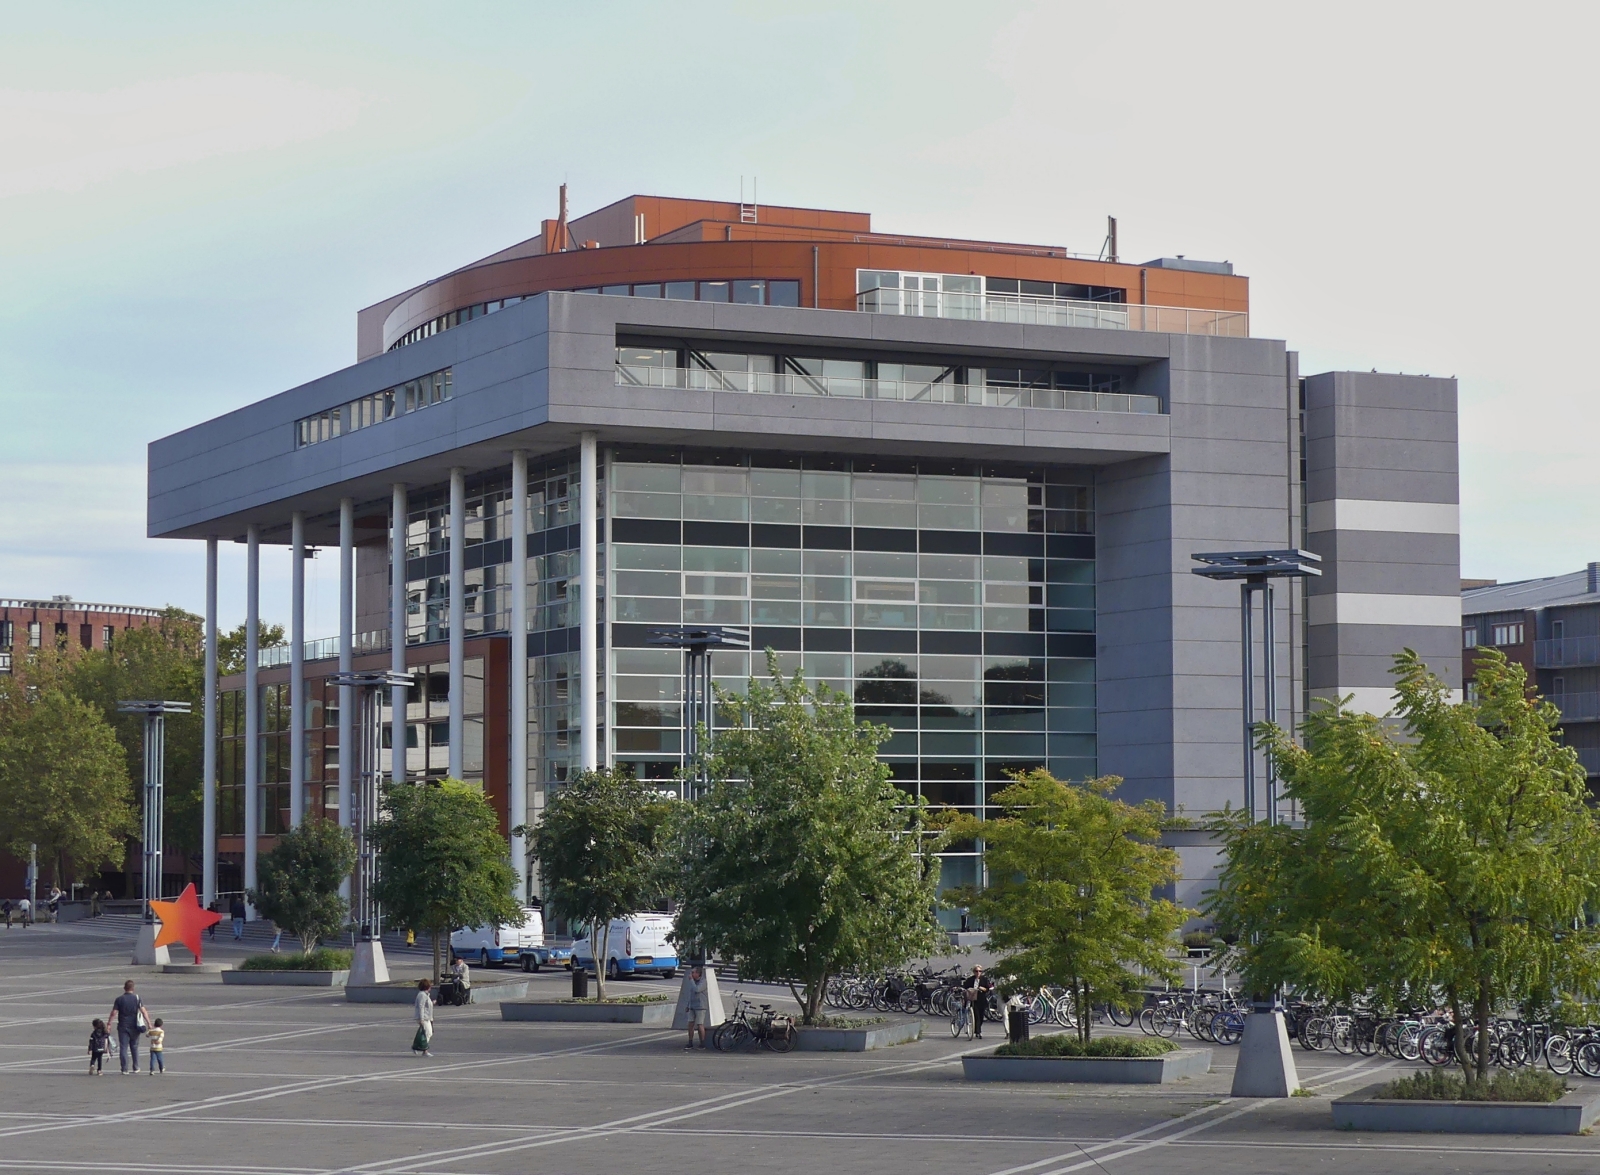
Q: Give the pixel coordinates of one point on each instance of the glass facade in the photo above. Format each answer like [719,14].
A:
[955,603]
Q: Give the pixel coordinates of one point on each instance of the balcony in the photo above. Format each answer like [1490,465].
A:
[1566,652]
[1035,310]
[789,384]
[325,649]
[1581,707]
[1590,758]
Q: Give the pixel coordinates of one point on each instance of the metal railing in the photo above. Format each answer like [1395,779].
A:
[68,604]
[1578,707]
[790,384]
[1035,310]
[1569,651]
[324,649]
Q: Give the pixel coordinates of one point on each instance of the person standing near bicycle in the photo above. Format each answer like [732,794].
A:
[979,990]
[697,1007]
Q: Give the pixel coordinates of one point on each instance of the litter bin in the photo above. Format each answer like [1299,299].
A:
[580,984]
[1017,1024]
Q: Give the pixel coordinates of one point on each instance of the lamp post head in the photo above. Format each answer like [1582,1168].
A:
[152,707]
[700,637]
[372,679]
[1257,566]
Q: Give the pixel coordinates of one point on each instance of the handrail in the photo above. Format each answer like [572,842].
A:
[1038,310]
[790,384]
[70,605]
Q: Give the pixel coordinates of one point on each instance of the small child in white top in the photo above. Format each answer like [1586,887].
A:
[158,1044]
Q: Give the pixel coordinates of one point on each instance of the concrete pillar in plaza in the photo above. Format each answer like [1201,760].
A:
[297,674]
[252,702]
[588,719]
[208,801]
[517,788]
[347,624]
[397,631]
[458,617]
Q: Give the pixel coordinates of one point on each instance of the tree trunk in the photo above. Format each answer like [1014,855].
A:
[1085,1019]
[1460,1045]
[436,956]
[1481,1015]
[600,942]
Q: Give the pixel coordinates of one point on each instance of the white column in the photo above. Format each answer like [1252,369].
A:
[517,785]
[347,623]
[397,631]
[208,868]
[458,616]
[587,574]
[297,674]
[252,702]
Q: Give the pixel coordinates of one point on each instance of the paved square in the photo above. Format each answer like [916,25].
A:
[284,1081]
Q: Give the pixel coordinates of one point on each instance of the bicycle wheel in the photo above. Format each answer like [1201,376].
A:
[1121,1017]
[1168,1023]
[1147,1021]
[780,1038]
[737,1037]
[1434,1048]
[1367,1040]
[1038,1010]
[1558,1055]
[1065,1014]
[909,1002]
[1341,1039]
[1315,1036]
[958,1021]
[1587,1059]
[1227,1027]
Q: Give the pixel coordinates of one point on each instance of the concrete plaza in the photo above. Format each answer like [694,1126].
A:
[265,1081]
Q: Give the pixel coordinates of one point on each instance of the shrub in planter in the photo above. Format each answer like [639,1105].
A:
[1063,1045]
[1441,1085]
[321,959]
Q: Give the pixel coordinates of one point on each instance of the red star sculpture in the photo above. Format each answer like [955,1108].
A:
[183,920]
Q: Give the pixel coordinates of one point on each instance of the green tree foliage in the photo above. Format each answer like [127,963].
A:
[600,848]
[1071,896]
[802,860]
[298,881]
[162,661]
[442,861]
[1457,856]
[64,786]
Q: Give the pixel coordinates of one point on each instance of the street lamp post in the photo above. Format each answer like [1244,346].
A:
[368,965]
[1265,1067]
[697,643]
[145,952]
[1255,571]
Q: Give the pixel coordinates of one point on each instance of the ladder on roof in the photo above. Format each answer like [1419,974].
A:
[747,213]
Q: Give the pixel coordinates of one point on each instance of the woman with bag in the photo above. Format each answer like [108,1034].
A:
[423,1006]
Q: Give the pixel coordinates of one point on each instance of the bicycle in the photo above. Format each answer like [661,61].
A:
[769,1029]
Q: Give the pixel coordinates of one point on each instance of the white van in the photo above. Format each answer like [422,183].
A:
[640,944]
[499,944]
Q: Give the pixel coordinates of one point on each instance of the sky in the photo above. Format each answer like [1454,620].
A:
[195,200]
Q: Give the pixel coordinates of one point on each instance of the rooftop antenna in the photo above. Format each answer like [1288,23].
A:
[562,242]
[1108,250]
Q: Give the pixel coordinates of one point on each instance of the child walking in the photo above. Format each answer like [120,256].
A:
[158,1043]
[99,1041]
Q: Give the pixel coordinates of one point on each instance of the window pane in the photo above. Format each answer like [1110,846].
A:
[751,293]
[714,292]
[682,290]
[783,293]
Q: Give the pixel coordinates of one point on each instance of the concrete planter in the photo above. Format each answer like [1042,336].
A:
[856,1040]
[659,1013]
[1090,1070]
[285,978]
[1364,1110]
[405,992]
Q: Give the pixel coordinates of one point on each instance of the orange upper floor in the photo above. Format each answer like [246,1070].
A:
[643,239]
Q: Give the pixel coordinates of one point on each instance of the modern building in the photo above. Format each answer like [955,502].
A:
[60,621]
[962,480]
[1551,627]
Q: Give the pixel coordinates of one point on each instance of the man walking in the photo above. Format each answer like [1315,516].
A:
[236,911]
[129,1016]
[5,906]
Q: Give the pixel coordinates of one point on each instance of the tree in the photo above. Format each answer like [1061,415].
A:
[64,786]
[1073,878]
[298,881]
[1457,855]
[802,860]
[442,861]
[166,661]
[599,847]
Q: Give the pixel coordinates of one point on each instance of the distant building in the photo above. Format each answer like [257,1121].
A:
[1551,627]
[61,620]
